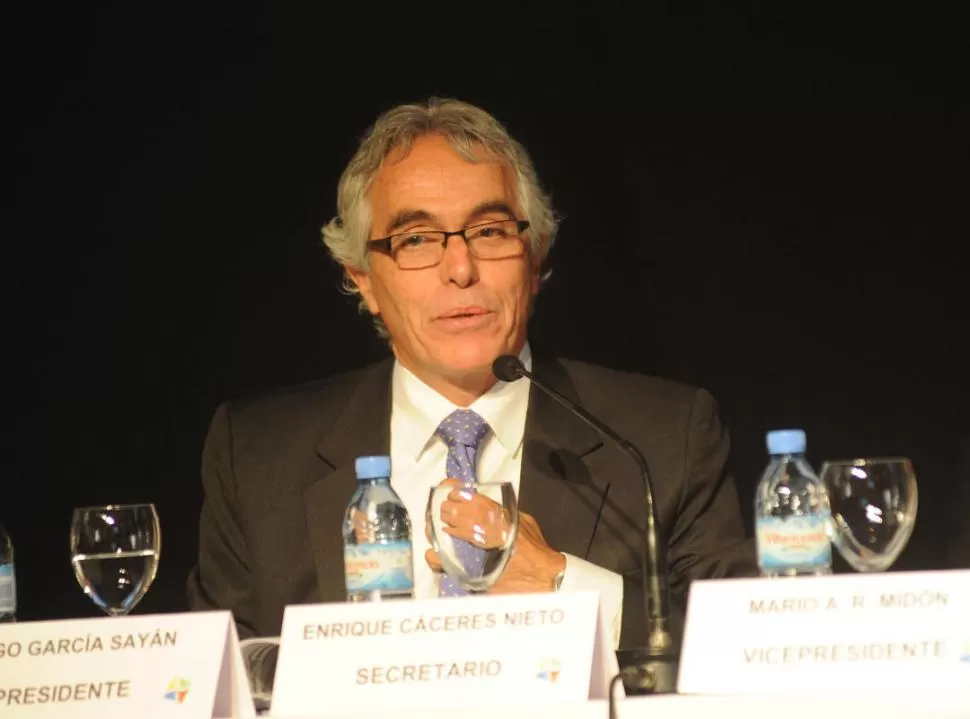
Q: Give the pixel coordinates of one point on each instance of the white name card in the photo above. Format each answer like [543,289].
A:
[406,654]
[898,631]
[164,665]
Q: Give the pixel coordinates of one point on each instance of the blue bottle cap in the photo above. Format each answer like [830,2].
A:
[377,467]
[786,441]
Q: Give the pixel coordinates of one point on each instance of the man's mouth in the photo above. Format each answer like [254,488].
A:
[465,319]
[463,312]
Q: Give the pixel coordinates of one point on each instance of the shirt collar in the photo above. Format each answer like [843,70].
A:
[418,410]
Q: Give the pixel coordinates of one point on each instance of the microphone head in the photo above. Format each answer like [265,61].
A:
[507,368]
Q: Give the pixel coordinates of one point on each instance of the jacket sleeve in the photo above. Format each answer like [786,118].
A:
[222,577]
[707,539]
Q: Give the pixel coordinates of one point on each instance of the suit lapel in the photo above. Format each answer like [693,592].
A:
[557,486]
[361,428]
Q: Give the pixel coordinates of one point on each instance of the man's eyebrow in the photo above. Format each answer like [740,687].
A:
[407,216]
[491,207]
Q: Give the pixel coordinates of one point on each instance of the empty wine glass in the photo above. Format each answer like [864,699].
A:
[115,551]
[873,503]
[491,523]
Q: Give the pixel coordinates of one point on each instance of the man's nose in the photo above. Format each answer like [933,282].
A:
[458,265]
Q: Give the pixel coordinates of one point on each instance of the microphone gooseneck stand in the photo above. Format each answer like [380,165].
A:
[651,669]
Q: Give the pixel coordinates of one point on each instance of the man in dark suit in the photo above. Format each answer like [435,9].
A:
[442,229]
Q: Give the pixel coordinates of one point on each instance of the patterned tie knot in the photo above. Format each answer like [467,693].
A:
[463,427]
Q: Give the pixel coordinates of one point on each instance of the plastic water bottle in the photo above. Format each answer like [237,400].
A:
[377,537]
[8,580]
[792,519]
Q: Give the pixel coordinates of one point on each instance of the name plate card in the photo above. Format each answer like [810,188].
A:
[426,653]
[165,665]
[898,631]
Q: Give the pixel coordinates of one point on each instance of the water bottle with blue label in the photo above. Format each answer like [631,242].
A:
[377,537]
[792,518]
[8,580]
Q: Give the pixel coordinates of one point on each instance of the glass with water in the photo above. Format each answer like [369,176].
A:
[115,551]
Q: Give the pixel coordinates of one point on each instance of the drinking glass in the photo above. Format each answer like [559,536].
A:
[873,504]
[115,551]
[492,520]
[259,657]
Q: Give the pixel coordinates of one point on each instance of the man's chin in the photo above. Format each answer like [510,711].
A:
[471,359]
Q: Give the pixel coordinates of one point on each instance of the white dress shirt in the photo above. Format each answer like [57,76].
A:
[418,458]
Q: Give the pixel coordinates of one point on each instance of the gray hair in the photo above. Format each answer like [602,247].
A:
[465,127]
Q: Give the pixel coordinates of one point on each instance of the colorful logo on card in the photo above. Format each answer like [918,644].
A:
[177,690]
[548,670]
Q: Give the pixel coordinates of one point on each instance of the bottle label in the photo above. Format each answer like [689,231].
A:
[379,567]
[8,589]
[793,542]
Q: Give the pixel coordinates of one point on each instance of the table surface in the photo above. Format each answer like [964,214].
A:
[955,705]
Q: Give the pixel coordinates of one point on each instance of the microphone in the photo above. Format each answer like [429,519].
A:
[653,668]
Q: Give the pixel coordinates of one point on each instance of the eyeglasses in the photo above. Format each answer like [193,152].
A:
[415,250]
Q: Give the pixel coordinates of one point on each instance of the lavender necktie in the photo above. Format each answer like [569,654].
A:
[463,431]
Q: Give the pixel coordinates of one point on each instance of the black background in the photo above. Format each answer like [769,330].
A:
[769,204]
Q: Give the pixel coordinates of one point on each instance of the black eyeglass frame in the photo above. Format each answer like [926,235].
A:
[384,245]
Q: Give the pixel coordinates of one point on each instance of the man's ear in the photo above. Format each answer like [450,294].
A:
[361,278]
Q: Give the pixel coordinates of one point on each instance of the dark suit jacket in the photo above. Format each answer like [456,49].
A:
[278,472]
